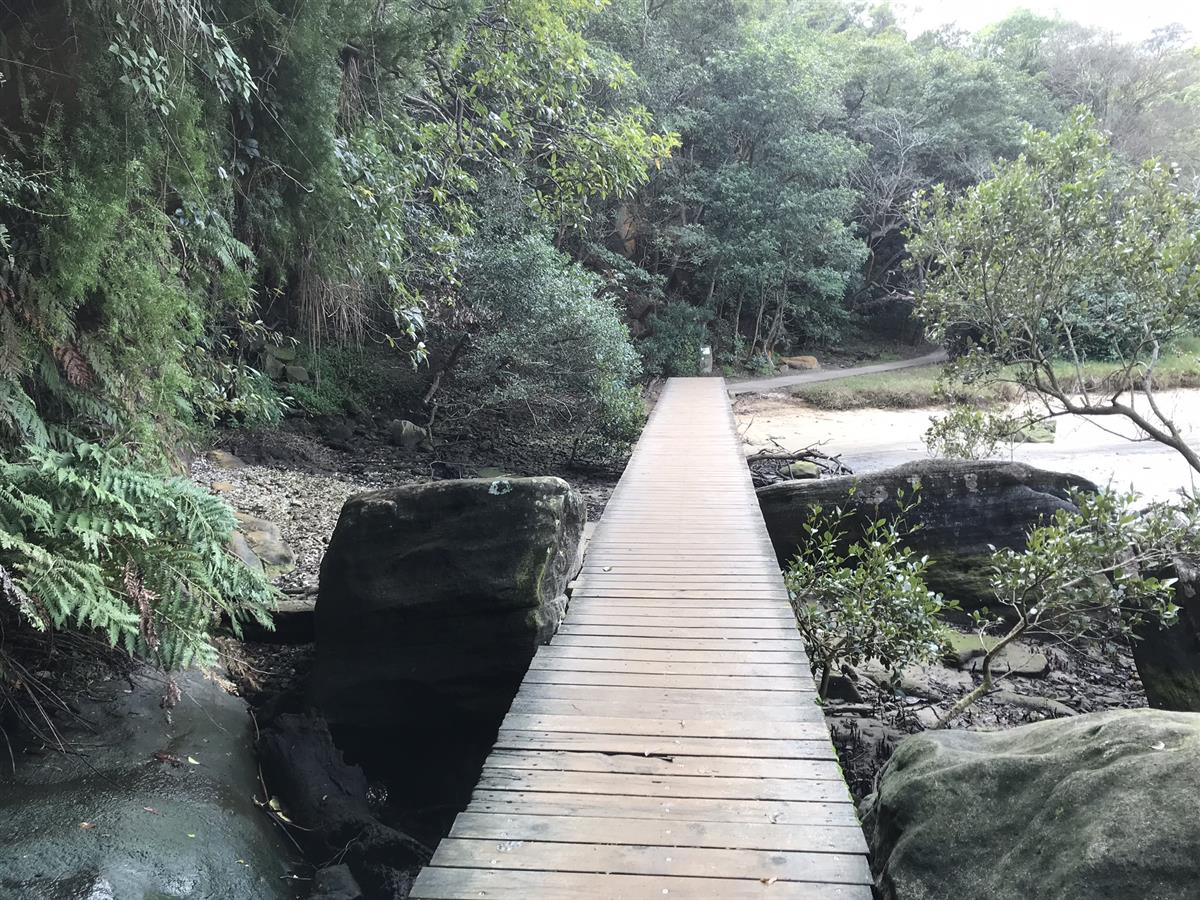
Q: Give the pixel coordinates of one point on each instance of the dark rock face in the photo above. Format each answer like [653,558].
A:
[964,507]
[433,599]
[153,807]
[335,883]
[1100,805]
[1168,659]
[328,799]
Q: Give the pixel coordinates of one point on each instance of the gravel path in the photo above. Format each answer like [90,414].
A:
[774,383]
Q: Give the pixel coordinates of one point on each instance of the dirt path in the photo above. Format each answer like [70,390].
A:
[775,382]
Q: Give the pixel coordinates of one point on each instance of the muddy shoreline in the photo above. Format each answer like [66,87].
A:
[869,440]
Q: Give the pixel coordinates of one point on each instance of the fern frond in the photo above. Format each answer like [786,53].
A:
[19,415]
[93,540]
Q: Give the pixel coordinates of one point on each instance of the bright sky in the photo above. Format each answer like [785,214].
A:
[1132,19]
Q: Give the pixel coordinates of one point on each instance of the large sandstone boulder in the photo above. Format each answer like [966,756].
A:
[965,506]
[434,597]
[150,804]
[1097,806]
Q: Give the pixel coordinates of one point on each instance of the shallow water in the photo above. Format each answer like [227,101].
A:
[1105,451]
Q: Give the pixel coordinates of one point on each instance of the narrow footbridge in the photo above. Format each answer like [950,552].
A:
[666,743]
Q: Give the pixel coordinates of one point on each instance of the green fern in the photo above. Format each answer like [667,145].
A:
[91,540]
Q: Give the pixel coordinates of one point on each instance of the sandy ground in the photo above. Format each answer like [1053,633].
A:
[873,439]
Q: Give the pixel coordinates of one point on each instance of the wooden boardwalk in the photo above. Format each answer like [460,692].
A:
[666,743]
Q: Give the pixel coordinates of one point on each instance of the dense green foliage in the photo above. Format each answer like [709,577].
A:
[863,600]
[549,348]
[805,129]
[1087,574]
[93,541]
[1067,254]
[517,198]
[175,174]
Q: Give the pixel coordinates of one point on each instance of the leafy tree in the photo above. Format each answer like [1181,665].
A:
[929,112]
[863,600]
[748,219]
[547,349]
[1061,254]
[966,432]
[1085,574]
[678,334]
[1143,93]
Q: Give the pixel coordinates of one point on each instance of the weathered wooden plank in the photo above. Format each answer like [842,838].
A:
[437,883]
[729,591]
[644,832]
[574,721]
[677,809]
[715,863]
[665,764]
[781,645]
[648,745]
[665,568]
[727,587]
[616,694]
[622,784]
[794,656]
[793,683]
[591,612]
[716,668]
[728,606]
[763,716]
[686,632]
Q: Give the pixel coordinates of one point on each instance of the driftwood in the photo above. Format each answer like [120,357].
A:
[772,467]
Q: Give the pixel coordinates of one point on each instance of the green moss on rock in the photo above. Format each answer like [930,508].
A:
[1097,806]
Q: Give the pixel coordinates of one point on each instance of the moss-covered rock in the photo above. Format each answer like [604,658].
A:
[966,651]
[1035,433]
[260,541]
[434,597]
[1097,806]
[802,468]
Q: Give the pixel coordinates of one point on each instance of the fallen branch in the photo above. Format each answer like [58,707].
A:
[772,467]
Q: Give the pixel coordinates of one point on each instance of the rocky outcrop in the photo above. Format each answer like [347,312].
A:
[150,803]
[327,799]
[433,599]
[802,363]
[1168,659]
[223,459]
[407,435]
[1101,805]
[965,506]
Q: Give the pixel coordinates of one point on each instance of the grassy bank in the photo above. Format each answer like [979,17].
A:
[916,388]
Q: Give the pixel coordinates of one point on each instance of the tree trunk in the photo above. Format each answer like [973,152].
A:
[985,672]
